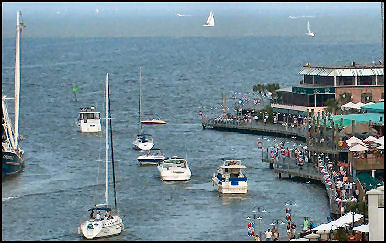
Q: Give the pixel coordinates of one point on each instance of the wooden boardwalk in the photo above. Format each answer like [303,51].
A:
[256,128]
[287,166]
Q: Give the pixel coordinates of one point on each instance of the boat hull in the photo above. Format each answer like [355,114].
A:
[101,228]
[228,188]
[174,175]
[12,163]
[90,126]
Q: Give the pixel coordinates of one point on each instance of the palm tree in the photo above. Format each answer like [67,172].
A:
[332,105]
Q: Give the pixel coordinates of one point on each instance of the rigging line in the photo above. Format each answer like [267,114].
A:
[98,173]
[112,152]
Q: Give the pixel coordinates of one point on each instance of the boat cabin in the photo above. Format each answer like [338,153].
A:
[88,113]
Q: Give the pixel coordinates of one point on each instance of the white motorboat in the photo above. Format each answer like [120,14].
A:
[309,33]
[142,141]
[174,169]
[151,159]
[210,20]
[103,222]
[230,178]
[89,120]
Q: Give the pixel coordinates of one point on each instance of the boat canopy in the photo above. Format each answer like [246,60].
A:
[101,209]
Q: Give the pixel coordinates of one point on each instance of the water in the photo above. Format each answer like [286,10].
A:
[180,76]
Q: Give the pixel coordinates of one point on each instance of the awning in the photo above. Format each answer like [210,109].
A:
[358,148]
[362,228]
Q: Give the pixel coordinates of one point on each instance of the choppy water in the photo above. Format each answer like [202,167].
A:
[180,75]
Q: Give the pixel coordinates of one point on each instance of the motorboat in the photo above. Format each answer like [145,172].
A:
[174,169]
[230,178]
[151,158]
[89,120]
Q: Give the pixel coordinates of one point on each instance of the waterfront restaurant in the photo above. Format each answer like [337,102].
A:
[356,82]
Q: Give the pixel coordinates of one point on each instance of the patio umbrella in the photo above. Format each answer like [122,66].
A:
[358,148]
[325,227]
[347,219]
[381,140]
[353,139]
[312,236]
[348,106]
[362,228]
[371,139]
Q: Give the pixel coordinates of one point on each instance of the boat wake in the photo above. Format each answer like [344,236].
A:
[8,198]
[204,186]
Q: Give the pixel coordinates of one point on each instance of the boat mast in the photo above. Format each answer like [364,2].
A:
[106,142]
[140,99]
[19,27]
[383,44]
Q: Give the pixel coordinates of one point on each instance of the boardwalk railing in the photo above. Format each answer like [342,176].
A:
[254,127]
[287,165]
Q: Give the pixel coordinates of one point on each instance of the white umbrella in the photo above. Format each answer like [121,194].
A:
[312,236]
[347,219]
[325,227]
[362,228]
[347,106]
[358,105]
[381,140]
[371,139]
[355,143]
[358,148]
[353,139]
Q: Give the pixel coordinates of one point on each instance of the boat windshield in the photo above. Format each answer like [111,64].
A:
[85,116]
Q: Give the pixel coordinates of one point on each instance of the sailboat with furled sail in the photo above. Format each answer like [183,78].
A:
[103,222]
[143,141]
[12,154]
[210,20]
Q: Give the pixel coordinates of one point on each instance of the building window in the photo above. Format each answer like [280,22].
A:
[380,80]
[342,80]
[366,98]
[382,95]
[345,98]
[381,201]
[366,80]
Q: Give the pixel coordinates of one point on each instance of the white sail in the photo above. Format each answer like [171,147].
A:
[309,33]
[210,20]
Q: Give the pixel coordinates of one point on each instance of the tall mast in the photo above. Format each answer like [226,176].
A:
[140,99]
[106,142]
[19,27]
[382,15]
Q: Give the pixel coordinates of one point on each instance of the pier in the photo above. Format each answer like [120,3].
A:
[288,166]
[256,128]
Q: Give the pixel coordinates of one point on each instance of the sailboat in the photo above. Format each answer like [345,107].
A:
[309,33]
[12,154]
[103,222]
[142,141]
[210,20]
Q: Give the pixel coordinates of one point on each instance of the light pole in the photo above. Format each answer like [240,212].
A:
[275,223]
[289,205]
[256,215]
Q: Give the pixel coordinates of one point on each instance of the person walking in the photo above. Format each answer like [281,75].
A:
[268,235]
